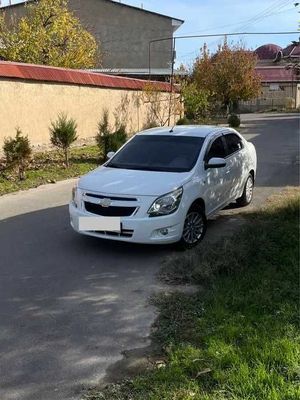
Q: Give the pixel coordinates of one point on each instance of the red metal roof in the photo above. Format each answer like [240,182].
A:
[267,51]
[72,76]
[293,50]
[276,74]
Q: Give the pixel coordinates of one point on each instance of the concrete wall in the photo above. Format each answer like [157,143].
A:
[285,96]
[123,32]
[33,105]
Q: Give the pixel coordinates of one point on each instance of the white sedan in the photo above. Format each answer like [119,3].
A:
[163,184]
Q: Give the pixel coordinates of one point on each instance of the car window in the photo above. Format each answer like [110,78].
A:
[166,153]
[217,149]
[234,143]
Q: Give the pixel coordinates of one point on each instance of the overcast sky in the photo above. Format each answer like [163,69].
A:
[218,16]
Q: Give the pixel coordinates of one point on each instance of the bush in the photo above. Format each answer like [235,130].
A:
[234,121]
[184,121]
[118,138]
[196,102]
[17,152]
[108,140]
[149,125]
[290,103]
[63,133]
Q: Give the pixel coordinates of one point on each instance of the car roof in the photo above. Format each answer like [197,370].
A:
[184,130]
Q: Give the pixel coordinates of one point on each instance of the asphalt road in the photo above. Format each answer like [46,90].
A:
[69,305]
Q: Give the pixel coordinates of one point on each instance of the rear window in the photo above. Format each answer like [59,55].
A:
[159,153]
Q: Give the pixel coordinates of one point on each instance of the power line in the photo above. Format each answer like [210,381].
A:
[205,36]
[264,14]
[242,23]
[224,34]
[211,43]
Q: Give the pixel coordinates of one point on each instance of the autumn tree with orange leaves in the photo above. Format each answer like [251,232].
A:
[48,34]
[228,75]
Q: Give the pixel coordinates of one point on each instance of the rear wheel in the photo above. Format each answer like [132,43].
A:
[194,228]
[247,195]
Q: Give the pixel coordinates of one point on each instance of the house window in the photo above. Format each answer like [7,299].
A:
[274,87]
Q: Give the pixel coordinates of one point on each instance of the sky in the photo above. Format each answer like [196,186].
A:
[224,16]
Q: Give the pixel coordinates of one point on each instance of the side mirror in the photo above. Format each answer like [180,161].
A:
[110,154]
[215,162]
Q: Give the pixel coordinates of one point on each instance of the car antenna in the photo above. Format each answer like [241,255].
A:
[172,129]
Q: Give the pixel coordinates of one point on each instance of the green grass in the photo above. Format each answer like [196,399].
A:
[237,338]
[48,167]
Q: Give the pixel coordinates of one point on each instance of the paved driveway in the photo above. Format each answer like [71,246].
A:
[69,305]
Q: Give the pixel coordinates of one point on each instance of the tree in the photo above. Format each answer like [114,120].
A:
[63,133]
[229,74]
[108,140]
[103,134]
[49,34]
[118,138]
[196,101]
[17,152]
[162,105]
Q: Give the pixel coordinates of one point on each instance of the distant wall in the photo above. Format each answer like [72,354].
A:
[32,105]
[274,96]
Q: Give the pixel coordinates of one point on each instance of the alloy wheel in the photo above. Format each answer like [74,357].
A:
[193,227]
[249,189]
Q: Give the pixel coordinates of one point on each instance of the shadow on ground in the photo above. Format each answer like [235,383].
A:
[69,304]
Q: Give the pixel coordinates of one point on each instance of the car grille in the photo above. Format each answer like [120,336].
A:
[114,198]
[112,211]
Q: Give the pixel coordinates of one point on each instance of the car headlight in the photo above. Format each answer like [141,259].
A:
[166,204]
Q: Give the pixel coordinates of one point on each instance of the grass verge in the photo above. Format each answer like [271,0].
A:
[237,338]
[47,167]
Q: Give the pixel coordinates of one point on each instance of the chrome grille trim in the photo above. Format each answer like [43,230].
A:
[111,197]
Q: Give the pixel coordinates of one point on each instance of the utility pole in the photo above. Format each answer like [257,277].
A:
[173,55]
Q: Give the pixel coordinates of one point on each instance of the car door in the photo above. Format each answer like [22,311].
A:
[234,164]
[214,178]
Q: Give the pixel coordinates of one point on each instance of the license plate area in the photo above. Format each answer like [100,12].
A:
[107,224]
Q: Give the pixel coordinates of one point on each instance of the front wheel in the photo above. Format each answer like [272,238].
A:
[247,195]
[194,228]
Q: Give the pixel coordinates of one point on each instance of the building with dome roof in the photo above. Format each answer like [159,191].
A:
[267,53]
[280,78]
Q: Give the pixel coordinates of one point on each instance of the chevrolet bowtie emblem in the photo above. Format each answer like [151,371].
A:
[105,202]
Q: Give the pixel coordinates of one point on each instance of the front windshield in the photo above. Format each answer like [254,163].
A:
[159,153]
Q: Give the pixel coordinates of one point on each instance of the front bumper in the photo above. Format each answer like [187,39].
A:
[137,230]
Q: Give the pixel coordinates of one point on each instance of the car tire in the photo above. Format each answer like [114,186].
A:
[247,195]
[194,228]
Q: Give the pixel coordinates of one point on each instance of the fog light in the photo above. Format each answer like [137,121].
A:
[164,231]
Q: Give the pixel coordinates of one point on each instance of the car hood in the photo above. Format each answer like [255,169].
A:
[132,182]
